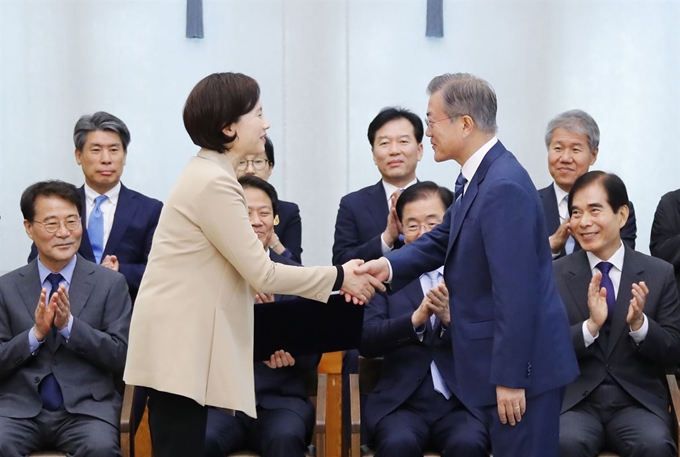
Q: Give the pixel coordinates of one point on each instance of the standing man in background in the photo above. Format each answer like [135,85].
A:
[118,223]
[512,350]
[572,139]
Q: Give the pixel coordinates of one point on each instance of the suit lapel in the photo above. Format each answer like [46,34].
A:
[82,284]
[579,282]
[377,204]
[630,274]
[552,214]
[471,193]
[125,210]
[29,286]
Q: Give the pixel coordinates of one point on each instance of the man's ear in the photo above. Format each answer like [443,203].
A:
[624,212]
[29,229]
[78,156]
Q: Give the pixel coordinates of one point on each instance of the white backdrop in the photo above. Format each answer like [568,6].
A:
[325,68]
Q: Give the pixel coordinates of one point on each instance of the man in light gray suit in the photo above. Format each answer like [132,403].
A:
[624,312]
[64,325]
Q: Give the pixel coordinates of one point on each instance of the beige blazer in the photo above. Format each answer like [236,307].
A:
[192,326]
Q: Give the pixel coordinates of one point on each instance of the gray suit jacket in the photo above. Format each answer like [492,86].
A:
[638,369]
[86,365]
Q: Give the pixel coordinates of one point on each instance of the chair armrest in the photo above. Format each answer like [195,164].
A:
[126,412]
[675,404]
[321,396]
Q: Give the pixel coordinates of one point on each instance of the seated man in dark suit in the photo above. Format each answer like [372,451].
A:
[286,240]
[665,240]
[366,226]
[285,416]
[624,312]
[412,408]
[64,325]
[572,139]
[118,223]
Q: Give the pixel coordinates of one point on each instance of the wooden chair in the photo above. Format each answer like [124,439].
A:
[369,374]
[317,394]
[127,441]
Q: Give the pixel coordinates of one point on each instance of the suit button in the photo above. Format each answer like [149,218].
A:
[609,368]
[319,296]
[36,379]
[585,393]
[54,362]
[18,361]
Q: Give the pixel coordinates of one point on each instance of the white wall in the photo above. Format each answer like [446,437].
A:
[325,68]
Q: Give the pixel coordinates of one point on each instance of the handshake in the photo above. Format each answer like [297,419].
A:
[362,279]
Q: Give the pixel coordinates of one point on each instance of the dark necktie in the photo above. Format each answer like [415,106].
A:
[49,389]
[460,186]
[95,229]
[606,282]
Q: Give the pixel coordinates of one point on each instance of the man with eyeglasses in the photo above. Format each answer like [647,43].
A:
[287,237]
[412,409]
[118,223]
[64,325]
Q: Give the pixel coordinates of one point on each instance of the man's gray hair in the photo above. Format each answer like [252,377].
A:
[576,121]
[466,94]
[100,120]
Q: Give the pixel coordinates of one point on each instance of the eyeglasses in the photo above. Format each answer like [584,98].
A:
[258,164]
[72,223]
[429,123]
[415,228]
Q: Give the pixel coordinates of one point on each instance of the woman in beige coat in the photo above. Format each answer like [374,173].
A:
[191,336]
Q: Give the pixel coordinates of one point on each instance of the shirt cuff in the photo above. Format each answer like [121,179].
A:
[33,343]
[420,331]
[383,246]
[587,337]
[389,265]
[640,334]
[66,331]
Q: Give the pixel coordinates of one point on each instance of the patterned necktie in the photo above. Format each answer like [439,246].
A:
[49,389]
[569,245]
[437,380]
[460,186]
[95,229]
[606,282]
[433,276]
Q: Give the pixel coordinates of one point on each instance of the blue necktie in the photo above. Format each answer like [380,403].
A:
[437,380]
[570,244]
[460,185]
[49,389]
[95,229]
[606,282]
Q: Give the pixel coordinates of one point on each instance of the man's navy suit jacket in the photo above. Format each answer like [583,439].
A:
[552,220]
[388,333]
[637,369]
[134,224]
[289,229]
[508,323]
[362,217]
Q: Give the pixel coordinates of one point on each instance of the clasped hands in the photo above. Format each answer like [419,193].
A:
[597,305]
[57,311]
[359,285]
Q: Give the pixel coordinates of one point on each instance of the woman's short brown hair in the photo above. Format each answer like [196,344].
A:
[217,101]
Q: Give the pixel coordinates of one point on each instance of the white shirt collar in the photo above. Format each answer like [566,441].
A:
[559,193]
[470,167]
[616,259]
[389,188]
[91,194]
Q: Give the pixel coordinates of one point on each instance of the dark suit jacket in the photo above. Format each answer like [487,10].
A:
[134,224]
[85,366]
[289,229]
[362,217]
[552,220]
[508,323]
[388,333]
[286,387]
[665,240]
[639,370]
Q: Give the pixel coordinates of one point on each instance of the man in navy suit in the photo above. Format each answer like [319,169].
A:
[412,407]
[285,415]
[366,225]
[120,233]
[287,237]
[624,312]
[572,139]
[511,344]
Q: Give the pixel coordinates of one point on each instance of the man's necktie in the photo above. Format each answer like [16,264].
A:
[49,389]
[437,381]
[569,245]
[606,282]
[460,186]
[95,228]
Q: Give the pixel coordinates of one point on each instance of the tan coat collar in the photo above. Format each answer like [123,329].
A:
[220,159]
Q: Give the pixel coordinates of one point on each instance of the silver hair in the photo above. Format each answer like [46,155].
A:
[466,94]
[100,120]
[576,121]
